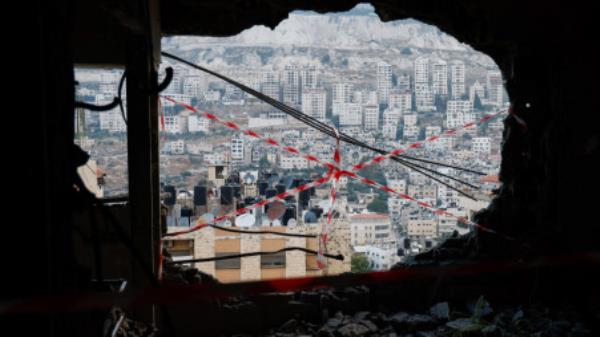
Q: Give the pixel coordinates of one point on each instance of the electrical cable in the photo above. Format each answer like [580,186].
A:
[120,93]
[296,235]
[339,257]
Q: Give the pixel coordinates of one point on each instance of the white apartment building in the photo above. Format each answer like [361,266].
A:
[481,145]
[271,89]
[458,106]
[457,79]
[350,114]
[341,93]
[422,228]
[175,124]
[291,85]
[421,71]
[369,228]
[397,184]
[391,118]
[194,86]
[292,162]
[477,89]
[423,97]
[403,82]
[495,88]
[432,131]
[236,147]
[410,119]
[439,72]
[112,121]
[196,123]
[371,117]
[384,81]
[456,112]
[211,95]
[401,100]
[309,77]
[313,103]
[381,257]
[174,147]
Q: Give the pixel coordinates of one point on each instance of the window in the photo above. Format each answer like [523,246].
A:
[102,134]
[273,260]
[233,263]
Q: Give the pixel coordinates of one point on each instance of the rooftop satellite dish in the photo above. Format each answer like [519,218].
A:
[277,222]
[207,218]
[245,220]
[310,217]
[292,223]
[276,210]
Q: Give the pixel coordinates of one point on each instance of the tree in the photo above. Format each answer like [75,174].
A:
[359,263]
[379,205]
[264,163]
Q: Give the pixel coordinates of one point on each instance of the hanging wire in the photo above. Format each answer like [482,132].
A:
[339,257]
[233,230]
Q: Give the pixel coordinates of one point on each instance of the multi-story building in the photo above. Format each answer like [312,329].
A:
[384,81]
[410,132]
[456,112]
[313,103]
[439,72]
[309,77]
[421,71]
[291,85]
[196,123]
[194,86]
[495,88]
[371,117]
[401,100]
[423,97]
[477,89]
[381,257]
[403,82]
[271,89]
[481,145]
[391,118]
[341,93]
[293,162]
[112,121]
[236,147]
[420,227]
[174,124]
[369,228]
[350,114]
[457,79]
[212,242]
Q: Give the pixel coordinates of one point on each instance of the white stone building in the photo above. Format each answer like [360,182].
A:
[369,228]
[313,103]
[457,79]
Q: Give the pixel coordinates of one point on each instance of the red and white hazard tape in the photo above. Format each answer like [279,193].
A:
[336,172]
[321,261]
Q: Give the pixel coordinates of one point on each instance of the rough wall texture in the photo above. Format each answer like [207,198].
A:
[542,49]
